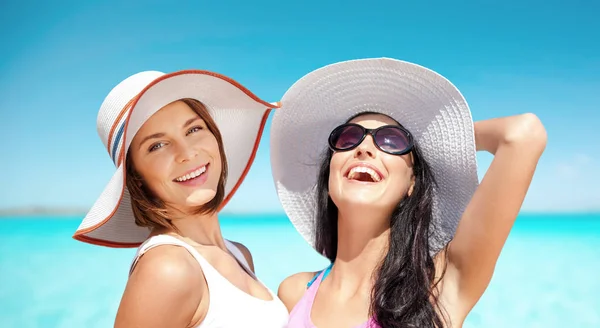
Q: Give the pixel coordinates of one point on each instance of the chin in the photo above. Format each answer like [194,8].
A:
[200,197]
[369,203]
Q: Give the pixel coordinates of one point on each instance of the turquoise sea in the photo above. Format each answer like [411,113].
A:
[548,274]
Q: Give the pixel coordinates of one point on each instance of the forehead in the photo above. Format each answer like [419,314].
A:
[173,111]
[171,116]
[169,119]
[372,121]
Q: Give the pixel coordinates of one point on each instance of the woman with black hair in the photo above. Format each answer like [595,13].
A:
[374,162]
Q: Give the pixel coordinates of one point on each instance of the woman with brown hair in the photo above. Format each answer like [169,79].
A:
[182,144]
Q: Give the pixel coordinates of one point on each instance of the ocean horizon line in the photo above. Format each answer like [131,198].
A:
[81,211]
[278,215]
[45,211]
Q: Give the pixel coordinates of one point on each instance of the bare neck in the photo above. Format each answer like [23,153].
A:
[198,229]
[362,244]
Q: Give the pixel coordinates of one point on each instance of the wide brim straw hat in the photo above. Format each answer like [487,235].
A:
[423,101]
[239,114]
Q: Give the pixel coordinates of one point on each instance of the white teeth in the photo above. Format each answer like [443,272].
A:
[192,175]
[361,169]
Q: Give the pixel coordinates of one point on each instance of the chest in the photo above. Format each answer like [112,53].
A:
[334,310]
[230,272]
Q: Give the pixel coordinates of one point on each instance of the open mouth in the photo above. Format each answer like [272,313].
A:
[363,174]
[192,175]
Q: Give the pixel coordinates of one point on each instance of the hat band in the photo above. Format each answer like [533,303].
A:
[114,140]
[117,141]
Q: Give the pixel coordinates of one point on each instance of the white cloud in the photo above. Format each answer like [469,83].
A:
[582,159]
[578,166]
[567,170]
[571,184]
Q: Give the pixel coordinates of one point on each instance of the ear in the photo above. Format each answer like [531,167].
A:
[412,186]
[138,179]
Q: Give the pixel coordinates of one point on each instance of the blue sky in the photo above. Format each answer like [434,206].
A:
[59,60]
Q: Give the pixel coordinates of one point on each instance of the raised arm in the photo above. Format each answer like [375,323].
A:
[164,290]
[517,142]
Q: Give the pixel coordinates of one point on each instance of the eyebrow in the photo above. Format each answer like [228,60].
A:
[152,136]
[160,134]
[191,120]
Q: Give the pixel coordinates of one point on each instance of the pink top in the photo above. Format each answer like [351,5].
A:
[300,315]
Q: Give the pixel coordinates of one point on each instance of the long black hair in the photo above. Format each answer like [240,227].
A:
[402,295]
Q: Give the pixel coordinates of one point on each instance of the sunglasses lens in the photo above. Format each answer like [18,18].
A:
[392,139]
[346,137]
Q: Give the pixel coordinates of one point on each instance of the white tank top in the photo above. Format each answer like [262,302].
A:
[229,306]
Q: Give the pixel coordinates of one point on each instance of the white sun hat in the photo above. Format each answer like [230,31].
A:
[238,113]
[424,102]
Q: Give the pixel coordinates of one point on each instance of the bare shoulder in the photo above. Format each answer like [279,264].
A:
[246,253]
[164,289]
[293,287]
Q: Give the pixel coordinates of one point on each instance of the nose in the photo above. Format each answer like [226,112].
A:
[185,153]
[366,148]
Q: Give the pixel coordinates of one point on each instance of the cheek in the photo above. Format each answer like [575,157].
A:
[155,170]
[211,146]
[401,178]
[335,173]
[337,162]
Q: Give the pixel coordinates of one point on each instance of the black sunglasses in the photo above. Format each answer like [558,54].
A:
[391,139]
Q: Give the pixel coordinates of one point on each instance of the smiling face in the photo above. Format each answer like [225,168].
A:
[367,176]
[177,157]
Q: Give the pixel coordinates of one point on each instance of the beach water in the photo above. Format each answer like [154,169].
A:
[547,275]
